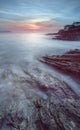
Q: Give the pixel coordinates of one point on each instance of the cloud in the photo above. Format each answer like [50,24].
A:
[10,13]
[49,25]
[47,14]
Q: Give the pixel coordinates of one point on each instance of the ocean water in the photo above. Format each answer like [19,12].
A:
[19,54]
[16,47]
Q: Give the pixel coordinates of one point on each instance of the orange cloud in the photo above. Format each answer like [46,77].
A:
[34,26]
[24,27]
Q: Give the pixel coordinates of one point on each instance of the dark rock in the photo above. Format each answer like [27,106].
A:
[69,33]
[22,107]
[68,63]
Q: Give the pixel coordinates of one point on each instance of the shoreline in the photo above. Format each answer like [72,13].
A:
[34,98]
[68,63]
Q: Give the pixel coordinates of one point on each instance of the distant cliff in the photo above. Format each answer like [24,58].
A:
[70,32]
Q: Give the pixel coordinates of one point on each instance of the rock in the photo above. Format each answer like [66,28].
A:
[69,33]
[44,102]
[68,63]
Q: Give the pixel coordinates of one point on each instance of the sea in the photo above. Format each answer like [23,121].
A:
[20,52]
[15,47]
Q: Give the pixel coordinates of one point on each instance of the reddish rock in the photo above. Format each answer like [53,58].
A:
[68,63]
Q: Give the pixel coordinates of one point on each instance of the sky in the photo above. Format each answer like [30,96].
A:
[38,15]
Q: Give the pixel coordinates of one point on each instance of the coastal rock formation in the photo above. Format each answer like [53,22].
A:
[70,33]
[32,99]
[68,63]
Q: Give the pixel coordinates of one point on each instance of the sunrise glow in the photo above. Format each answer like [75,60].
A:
[37,15]
[33,27]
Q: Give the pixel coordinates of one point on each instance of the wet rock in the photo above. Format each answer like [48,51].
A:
[68,63]
[42,102]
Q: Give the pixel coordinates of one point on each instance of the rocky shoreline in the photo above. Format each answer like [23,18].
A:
[68,33]
[59,111]
[68,63]
[33,99]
